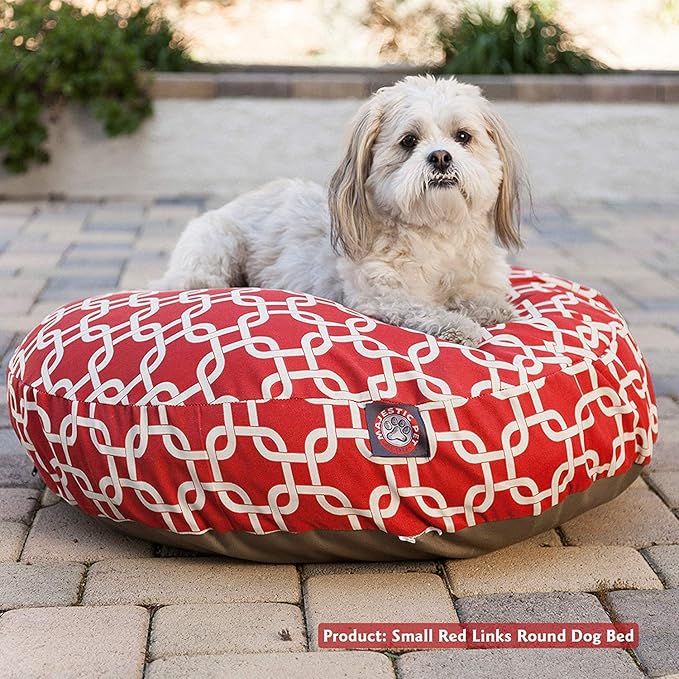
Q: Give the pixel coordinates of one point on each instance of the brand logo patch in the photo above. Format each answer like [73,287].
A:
[396,430]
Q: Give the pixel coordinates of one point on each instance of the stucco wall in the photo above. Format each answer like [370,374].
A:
[223,146]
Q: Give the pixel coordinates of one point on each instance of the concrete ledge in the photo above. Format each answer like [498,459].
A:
[359,83]
[221,146]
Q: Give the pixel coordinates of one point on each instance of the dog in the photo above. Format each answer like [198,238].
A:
[413,231]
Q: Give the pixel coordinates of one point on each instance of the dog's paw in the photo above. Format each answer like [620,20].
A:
[501,314]
[468,334]
[488,315]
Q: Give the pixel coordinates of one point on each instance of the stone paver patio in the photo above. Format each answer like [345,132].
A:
[80,600]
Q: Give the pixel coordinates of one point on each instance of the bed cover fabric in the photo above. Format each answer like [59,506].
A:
[278,426]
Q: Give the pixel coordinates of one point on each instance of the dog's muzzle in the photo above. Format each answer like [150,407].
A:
[443,180]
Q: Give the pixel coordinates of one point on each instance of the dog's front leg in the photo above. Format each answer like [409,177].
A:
[392,307]
[487,310]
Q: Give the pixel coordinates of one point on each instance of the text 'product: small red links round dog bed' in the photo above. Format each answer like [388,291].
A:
[277,426]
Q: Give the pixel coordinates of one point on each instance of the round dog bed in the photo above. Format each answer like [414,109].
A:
[281,427]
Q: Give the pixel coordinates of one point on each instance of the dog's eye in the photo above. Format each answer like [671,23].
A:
[409,141]
[463,137]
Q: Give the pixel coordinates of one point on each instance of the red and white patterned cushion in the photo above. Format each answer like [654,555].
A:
[244,410]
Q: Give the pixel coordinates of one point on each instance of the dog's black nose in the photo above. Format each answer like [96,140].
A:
[441,160]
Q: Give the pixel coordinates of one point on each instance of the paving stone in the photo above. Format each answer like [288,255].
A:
[183,85]
[54,584]
[547,539]
[666,385]
[666,449]
[116,227]
[210,629]
[4,413]
[117,210]
[4,365]
[15,305]
[48,223]
[42,309]
[642,317]
[139,280]
[34,244]
[155,247]
[588,261]
[12,224]
[668,408]
[74,642]
[18,504]
[77,283]
[94,249]
[648,287]
[665,562]
[335,665]
[637,518]
[545,608]
[93,271]
[24,285]
[657,614]
[143,260]
[75,260]
[6,340]
[666,484]
[55,230]
[551,569]
[168,551]
[310,86]
[64,533]
[657,338]
[376,597]
[177,212]
[179,581]
[49,498]
[16,469]
[546,663]
[662,362]
[187,199]
[350,567]
[15,208]
[124,237]
[12,536]
[30,263]
[23,324]
[165,233]
[58,298]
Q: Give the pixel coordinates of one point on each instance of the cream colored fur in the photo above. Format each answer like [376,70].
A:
[385,241]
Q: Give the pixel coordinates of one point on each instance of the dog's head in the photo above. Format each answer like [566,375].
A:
[425,152]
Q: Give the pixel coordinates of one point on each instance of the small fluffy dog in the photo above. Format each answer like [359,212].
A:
[409,231]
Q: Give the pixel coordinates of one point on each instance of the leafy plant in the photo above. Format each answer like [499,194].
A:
[522,38]
[53,53]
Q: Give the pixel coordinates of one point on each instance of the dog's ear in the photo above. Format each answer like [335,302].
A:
[507,212]
[349,210]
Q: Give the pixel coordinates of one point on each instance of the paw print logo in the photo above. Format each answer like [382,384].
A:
[396,430]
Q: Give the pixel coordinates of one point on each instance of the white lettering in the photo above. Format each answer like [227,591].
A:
[593,638]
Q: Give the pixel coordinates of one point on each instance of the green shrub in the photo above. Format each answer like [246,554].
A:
[52,53]
[523,38]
